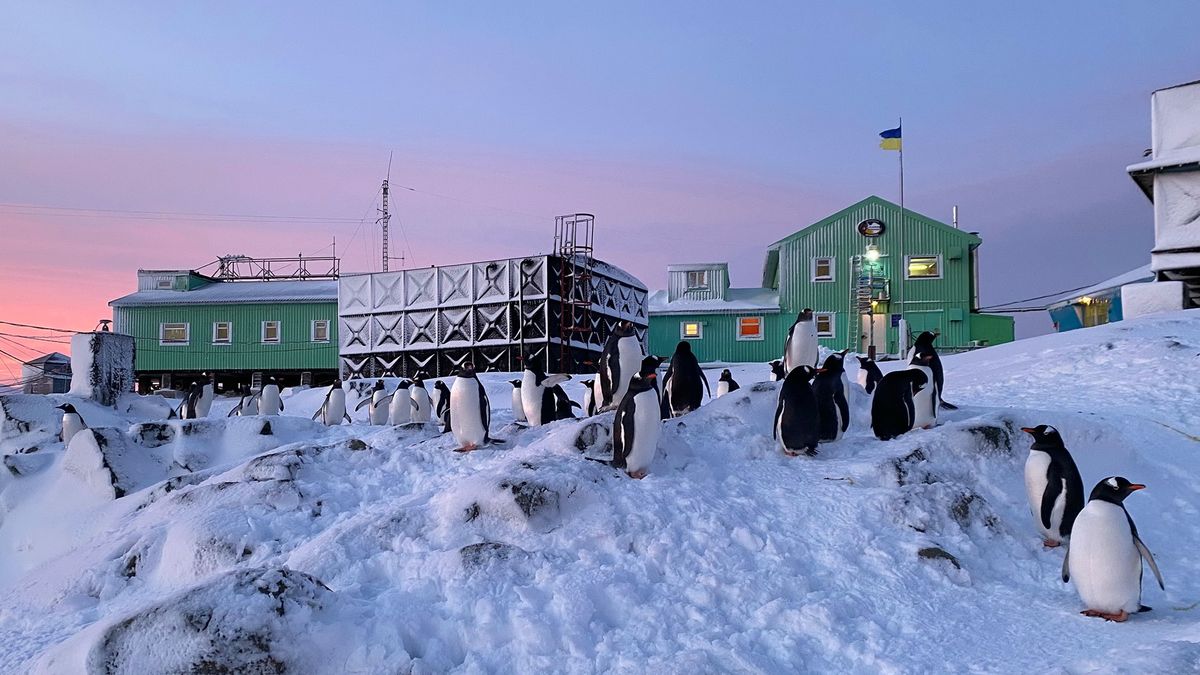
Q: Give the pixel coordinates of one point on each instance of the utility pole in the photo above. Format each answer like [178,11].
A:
[384,216]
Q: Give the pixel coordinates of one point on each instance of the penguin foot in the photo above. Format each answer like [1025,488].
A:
[1118,617]
[638,475]
[811,452]
[466,448]
[790,453]
[1050,543]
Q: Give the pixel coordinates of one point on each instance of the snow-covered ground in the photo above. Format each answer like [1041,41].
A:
[221,546]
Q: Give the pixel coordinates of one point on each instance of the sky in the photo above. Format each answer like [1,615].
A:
[694,131]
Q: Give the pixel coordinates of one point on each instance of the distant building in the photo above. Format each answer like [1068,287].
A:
[1096,305]
[48,374]
[856,269]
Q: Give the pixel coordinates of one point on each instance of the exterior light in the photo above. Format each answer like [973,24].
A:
[872,253]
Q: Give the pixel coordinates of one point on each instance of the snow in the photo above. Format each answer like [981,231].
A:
[738,300]
[361,548]
[312,290]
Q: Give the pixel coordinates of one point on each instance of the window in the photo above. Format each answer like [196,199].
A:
[824,324]
[173,333]
[697,279]
[822,269]
[320,330]
[923,267]
[691,330]
[222,332]
[750,328]
[166,284]
[270,332]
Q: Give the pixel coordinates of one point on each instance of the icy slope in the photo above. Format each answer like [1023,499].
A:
[369,549]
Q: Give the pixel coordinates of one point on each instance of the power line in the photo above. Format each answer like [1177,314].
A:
[1039,297]
[43,209]
[56,330]
[56,340]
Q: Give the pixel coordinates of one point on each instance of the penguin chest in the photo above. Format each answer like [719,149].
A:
[401,408]
[379,412]
[531,401]
[629,355]
[335,409]
[862,377]
[647,426]
[1036,467]
[268,401]
[469,427]
[518,406]
[1104,563]
[72,424]
[421,404]
[722,388]
[925,401]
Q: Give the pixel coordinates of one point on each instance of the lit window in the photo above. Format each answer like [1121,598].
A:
[320,330]
[270,332]
[173,333]
[691,330]
[749,328]
[924,266]
[222,332]
[697,279]
[824,324]
[822,269]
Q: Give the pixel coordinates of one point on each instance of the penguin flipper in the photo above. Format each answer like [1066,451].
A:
[1054,487]
[485,412]
[386,399]
[1066,572]
[347,416]
[1137,541]
[318,413]
[775,422]
[237,409]
[362,403]
[839,399]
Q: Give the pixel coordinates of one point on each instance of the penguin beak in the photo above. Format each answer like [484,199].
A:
[1028,430]
[1136,486]
[651,376]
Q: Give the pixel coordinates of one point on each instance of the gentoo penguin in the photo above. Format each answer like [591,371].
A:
[204,402]
[777,371]
[800,347]
[518,408]
[72,422]
[246,407]
[726,384]
[400,408]
[333,408]
[589,397]
[1053,485]
[469,409]
[536,395]
[892,411]
[923,349]
[797,421]
[829,386]
[443,404]
[682,392]
[378,413]
[1105,552]
[637,426]
[187,407]
[925,401]
[869,374]
[422,407]
[562,403]
[269,402]
[619,362]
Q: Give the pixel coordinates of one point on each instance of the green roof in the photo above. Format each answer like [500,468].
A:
[971,239]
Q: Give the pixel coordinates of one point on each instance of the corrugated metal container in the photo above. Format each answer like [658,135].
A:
[717,282]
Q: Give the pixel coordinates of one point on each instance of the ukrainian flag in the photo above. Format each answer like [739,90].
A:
[891,139]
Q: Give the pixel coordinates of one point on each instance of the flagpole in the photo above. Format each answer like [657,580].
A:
[902,340]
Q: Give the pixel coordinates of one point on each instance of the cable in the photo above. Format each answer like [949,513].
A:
[41,209]
[26,325]
[55,340]
[1039,297]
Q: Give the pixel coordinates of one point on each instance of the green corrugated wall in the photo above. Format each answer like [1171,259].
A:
[720,342]
[247,352]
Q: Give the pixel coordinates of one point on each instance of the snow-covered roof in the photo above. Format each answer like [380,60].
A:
[1139,275]
[55,357]
[739,300]
[690,267]
[237,291]
[1181,159]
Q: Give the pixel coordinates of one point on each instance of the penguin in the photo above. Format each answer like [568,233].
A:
[400,408]
[637,426]
[869,374]
[831,389]
[925,402]
[681,385]
[443,404]
[204,402]
[726,383]
[187,407]
[777,371]
[333,408]
[589,398]
[800,347]
[619,362]
[562,403]
[892,410]
[923,348]
[269,402]
[797,418]
[72,422]
[1105,554]
[422,407]
[518,408]
[1053,485]
[378,412]
[536,396]
[469,409]
[246,407]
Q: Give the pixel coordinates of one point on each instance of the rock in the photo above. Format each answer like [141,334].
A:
[476,556]
[935,553]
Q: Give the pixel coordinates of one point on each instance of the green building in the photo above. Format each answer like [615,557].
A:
[864,271]
[189,326]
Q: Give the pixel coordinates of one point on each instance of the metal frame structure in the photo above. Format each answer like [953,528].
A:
[573,239]
[242,267]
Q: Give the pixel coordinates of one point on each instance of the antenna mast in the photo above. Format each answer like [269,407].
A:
[384,216]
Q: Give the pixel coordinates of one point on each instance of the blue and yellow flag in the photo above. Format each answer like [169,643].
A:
[891,139]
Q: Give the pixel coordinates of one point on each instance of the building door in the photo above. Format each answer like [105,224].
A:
[874,331]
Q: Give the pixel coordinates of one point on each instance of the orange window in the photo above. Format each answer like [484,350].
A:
[750,328]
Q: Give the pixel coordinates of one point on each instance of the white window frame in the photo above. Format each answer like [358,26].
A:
[228,340]
[832,316]
[702,285]
[737,329]
[832,269]
[167,284]
[187,334]
[312,331]
[683,330]
[278,333]
[908,261]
